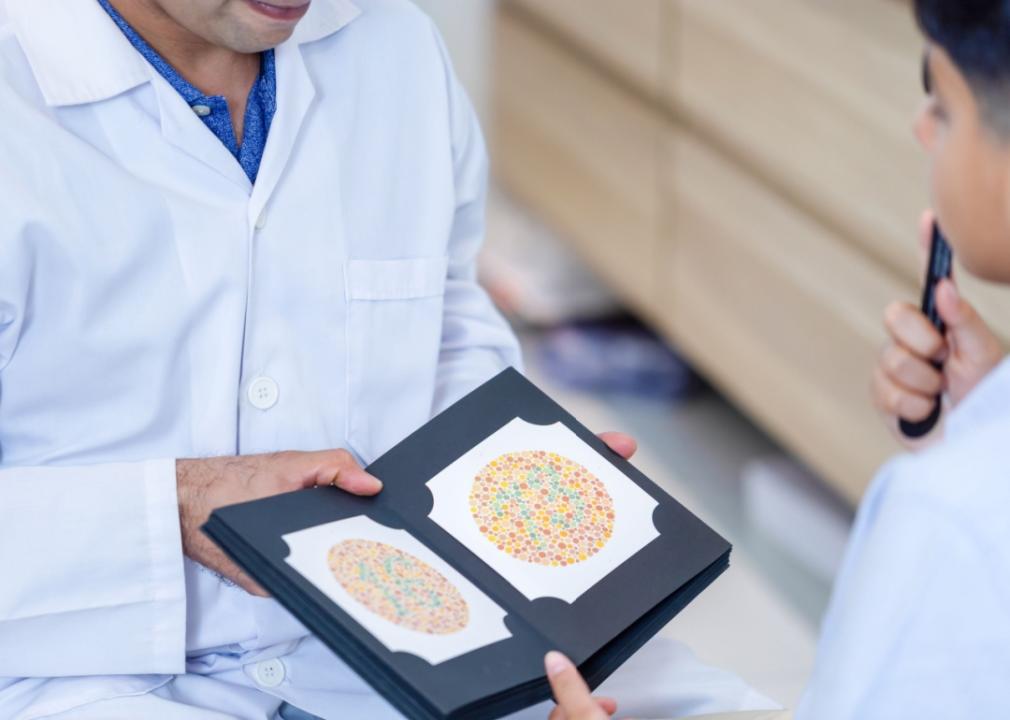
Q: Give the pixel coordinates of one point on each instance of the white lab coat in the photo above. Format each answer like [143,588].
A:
[919,624]
[156,305]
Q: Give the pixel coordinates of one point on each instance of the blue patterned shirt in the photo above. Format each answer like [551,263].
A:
[213,109]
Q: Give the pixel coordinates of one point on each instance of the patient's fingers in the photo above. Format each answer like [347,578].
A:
[608,705]
[897,401]
[908,327]
[910,371]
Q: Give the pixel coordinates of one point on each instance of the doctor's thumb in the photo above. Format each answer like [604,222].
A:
[356,481]
[339,469]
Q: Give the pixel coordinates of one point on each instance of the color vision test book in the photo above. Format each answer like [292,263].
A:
[505,529]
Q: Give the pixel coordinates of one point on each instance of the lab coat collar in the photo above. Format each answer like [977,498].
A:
[295,93]
[79,56]
[988,401]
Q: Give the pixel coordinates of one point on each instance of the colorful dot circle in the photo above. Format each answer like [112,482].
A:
[398,587]
[542,508]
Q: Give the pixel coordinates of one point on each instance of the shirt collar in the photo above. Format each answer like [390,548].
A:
[79,56]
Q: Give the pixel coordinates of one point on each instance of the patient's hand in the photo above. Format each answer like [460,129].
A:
[572,694]
[204,485]
[905,383]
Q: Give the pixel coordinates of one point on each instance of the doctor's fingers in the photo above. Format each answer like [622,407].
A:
[219,563]
[339,469]
[243,580]
[623,445]
[201,549]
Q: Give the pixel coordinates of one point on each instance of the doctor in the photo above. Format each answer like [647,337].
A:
[242,233]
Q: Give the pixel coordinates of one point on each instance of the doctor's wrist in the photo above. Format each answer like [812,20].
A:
[201,486]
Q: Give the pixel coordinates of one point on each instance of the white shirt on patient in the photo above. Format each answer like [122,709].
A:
[919,625]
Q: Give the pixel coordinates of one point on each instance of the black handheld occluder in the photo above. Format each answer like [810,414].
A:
[941,260]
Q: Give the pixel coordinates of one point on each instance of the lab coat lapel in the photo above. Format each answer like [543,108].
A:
[186,131]
[295,93]
[79,56]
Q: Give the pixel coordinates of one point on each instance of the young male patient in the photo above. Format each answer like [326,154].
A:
[919,625]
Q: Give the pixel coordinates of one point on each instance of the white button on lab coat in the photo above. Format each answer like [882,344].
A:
[143,294]
[264,393]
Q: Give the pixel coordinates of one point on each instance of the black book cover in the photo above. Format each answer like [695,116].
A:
[477,594]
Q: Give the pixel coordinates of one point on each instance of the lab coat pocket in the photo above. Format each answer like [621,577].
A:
[394,331]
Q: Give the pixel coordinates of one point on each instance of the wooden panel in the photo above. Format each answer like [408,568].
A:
[582,152]
[626,36]
[762,213]
[817,97]
[779,312]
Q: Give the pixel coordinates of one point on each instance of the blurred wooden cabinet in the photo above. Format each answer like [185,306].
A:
[777,310]
[815,98]
[743,173]
[590,174]
[628,37]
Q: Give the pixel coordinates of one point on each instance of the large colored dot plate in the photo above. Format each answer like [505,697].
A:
[542,508]
[398,587]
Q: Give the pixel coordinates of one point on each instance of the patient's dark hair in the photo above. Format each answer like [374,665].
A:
[976,35]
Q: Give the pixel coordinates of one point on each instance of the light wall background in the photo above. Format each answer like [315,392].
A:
[466,27]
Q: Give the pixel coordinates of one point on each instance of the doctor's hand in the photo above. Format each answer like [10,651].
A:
[572,694]
[623,445]
[204,485]
[905,383]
